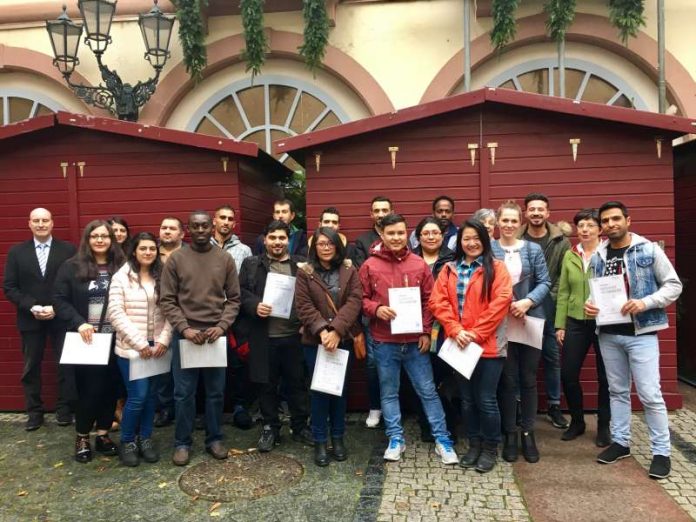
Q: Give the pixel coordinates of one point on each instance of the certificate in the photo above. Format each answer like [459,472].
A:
[406,302]
[462,360]
[142,368]
[527,330]
[330,371]
[204,355]
[76,351]
[279,293]
[608,293]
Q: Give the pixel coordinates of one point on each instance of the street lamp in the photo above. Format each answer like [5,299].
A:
[121,99]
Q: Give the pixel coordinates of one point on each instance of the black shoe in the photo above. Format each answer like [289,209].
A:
[472,455]
[164,418]
[660,467]
[557,419]
[129,454]
[268,440]
[148,451]
[105,446]
[613,453]
[303,436]
[64,418]
[321,456]
[242,419]
[529,448]
[603,438]
[487,460]
[83,449]
[510,447]
[34,422]
[575,429]
[339,449]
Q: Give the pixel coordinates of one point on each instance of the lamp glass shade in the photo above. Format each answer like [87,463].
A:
[65,39]
[97,15]
[156,29]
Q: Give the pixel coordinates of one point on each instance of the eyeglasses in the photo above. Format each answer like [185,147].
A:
[103,237]
[325,245]
[432,233]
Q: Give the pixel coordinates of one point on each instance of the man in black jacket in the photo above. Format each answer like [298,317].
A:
[380,207]
[30,272]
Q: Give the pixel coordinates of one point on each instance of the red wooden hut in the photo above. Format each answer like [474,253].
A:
[490,145]
[82,168]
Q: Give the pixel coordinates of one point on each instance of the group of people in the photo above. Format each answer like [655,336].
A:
[153,292]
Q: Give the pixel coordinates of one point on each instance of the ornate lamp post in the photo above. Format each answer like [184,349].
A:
[121,99]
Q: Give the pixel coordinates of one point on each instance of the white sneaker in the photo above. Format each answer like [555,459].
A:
[444,448]
[373,418]
[396,447]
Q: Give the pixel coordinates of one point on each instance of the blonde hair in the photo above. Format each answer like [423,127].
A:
[509,204]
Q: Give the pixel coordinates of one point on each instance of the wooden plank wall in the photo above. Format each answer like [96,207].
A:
[257,192]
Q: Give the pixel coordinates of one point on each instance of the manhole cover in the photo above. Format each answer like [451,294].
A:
[241,477]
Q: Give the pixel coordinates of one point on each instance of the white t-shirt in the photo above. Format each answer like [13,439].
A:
[513,260]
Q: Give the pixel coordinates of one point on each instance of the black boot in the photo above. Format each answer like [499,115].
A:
[510,447]
[321,456]
[576,428]
[529,449]
[339,449]
[603,438]
[472,455]
[488,458]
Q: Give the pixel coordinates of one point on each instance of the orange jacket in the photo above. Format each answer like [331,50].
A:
[480,317]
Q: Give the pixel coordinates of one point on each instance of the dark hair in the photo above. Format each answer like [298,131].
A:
[586,213]
[333,236]
[86,265]
[283,202]
[276,225]
[329,210]
[200,212]
[613,204]
[441,198]
[430,220]
[535,196]
[487,255]
[155,267]
[173,218]
[391,219]
[226,207]
[377,199]
[119,220]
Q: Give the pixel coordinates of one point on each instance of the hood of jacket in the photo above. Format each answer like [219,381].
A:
[380,250]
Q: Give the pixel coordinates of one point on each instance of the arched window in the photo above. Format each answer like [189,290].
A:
[583,81]
[269,109]
[18,105]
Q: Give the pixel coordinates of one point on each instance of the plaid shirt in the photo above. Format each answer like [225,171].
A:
[464,272]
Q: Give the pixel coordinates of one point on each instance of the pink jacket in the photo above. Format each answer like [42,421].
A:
[129,313]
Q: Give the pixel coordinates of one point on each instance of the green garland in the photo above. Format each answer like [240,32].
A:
[561,14]
[254,36]
[504,24]
[627,16]
[316,32]
[192,36]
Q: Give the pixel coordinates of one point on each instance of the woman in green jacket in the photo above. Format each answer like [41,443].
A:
[575,333]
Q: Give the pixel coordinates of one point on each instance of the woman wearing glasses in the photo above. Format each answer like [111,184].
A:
[81,296]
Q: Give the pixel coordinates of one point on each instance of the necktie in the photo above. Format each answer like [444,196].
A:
[43,258]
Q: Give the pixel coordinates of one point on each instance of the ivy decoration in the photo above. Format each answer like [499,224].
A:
[192,36]
[504,25]
[254,54]
[316,32]
[560,15]
[627,16]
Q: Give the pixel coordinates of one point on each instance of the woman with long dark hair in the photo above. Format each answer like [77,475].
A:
[141,332]
[328,297]
[121,233]
[81,295]
[470,299]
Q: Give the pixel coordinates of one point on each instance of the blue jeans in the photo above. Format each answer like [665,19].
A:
[480,401]
[390,357]
[325,405]
[627,356]
[551,354]
[371,369]
[139,409]
[185,385]
[164,389]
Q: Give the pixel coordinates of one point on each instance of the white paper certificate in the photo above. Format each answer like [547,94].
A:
[528,330]
[608,293]
[143,368]
[204,355]
[464,361]
[76,351]
[330,371]
[279,293]
[406,302]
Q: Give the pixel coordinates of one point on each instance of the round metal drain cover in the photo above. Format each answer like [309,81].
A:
[241,477]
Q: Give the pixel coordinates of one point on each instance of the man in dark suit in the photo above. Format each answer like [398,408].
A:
[29,275]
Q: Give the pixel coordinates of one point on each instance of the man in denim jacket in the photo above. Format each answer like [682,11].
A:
[632,349]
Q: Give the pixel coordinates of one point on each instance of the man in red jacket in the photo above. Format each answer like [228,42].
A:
[390,266]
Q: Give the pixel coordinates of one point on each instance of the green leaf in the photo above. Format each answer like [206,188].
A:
[504,24]
[316,32]
[627,16]
[254,36]
[192,36]
[561,14]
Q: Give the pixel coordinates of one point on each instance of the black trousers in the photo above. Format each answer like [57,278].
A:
[286,361]
[519,373]
[33,345]
[97,390]
[579,336]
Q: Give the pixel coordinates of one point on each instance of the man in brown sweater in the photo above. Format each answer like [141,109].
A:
[199,295]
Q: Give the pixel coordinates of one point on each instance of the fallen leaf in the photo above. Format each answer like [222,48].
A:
[235,451]
[359,472]
[20,441]
[101,468]
[435,505]
[252,450]
[23,493]
[214,507]
[196,497]
[58,464]
[215,514]
[162,485]
[221,479]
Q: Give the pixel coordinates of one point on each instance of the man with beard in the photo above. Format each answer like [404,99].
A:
[284,210]
[224,237]
[443,211]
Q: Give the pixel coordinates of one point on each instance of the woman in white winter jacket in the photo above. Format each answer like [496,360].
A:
[141,333]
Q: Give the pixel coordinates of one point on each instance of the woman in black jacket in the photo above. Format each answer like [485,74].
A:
[80,299]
